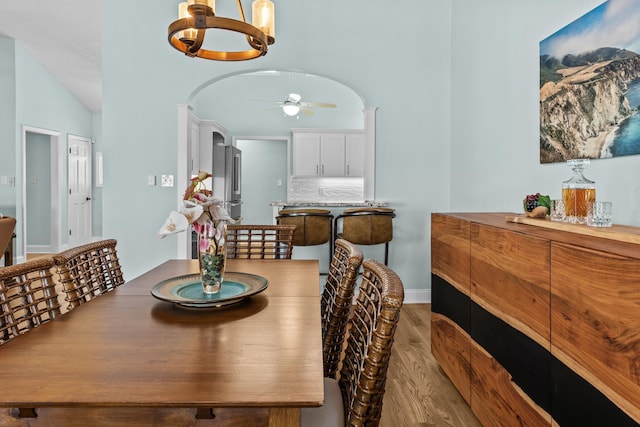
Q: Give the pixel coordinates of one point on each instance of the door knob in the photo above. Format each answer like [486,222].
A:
[88,198]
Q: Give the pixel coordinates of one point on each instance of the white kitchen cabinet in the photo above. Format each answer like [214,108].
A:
[331,154]
[195,148]
[354,154]
[306,154]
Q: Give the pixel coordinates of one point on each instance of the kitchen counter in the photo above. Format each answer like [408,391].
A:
[364,204]
[282,204]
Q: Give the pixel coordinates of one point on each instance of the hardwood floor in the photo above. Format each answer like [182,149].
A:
[417,394]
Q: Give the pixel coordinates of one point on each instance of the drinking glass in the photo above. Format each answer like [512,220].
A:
[599,214]
[557,210]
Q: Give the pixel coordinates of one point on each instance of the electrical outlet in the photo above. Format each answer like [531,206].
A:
[167,181]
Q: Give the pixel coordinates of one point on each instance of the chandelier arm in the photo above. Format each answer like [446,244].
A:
[256,38]
[241,11]
[195,47]
[252,43]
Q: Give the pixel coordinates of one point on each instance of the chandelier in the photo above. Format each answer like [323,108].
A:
[195,17]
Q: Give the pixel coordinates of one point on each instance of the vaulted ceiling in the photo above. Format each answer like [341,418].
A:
[65,36]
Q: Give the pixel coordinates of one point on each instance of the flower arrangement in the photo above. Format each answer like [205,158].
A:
[199,209]
[209,219]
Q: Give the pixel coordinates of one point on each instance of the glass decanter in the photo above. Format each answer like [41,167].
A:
[577,192]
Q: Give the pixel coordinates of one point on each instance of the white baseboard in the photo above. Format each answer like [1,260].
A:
[417,296]
[39,249]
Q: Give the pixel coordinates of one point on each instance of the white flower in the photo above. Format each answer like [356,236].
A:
[191,211]
[199,209]
[174,224]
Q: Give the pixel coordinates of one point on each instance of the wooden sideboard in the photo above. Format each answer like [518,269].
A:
[536,326]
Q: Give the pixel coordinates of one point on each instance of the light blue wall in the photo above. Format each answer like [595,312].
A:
[7,124]
[96,208]
[42,102]
[495,101]
[38,186]
[241,103]
[397,56]
[259,190]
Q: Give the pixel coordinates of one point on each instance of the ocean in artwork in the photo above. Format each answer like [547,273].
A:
[626,139]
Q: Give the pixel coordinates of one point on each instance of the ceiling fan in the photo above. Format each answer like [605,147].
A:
[294,105]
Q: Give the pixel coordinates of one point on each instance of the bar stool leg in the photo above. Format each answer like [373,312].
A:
[386,253]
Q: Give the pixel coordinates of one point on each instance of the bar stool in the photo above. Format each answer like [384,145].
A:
[7,234]
[313,226]
[366,226]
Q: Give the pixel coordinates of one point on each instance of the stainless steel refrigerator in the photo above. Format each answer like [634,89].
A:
[227,178]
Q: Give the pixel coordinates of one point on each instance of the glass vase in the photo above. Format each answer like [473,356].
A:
[577,192]
[212,255]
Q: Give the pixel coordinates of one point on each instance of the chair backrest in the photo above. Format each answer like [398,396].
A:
[313,226]
[88,271]
[260,241]
[367,226]
[371,331]
[7,226]
[337,299]
[28,297]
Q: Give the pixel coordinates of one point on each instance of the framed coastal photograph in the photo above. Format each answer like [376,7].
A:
[590,86]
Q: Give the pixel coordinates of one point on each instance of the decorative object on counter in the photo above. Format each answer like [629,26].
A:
[600,214]
[577,192]
[536,205]
[209,220]
[557,212]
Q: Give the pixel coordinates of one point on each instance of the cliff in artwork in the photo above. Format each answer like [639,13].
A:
[582,100]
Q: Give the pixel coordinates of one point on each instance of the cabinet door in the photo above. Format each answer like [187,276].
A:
[595,321]
[195,148]
[332,155]
[306,154]
[354,147]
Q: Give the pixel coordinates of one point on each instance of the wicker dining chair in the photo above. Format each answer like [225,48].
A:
[88,271]
[355,399]
[260,241]
[337,299]
[28,297]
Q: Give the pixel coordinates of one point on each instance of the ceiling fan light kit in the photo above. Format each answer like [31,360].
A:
[291,109]
[195,17]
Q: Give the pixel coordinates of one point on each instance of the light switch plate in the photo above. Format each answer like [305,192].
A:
[151,180]
[167,181]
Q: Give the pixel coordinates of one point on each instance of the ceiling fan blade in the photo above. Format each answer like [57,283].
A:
[306,111]
[319,104]
[267,100]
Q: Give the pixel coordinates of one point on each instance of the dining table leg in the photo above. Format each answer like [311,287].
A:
[284,417]
[27,413]
[205,414]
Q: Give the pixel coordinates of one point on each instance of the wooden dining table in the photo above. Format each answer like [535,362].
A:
[129,349]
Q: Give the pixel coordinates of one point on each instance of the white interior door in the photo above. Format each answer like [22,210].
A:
[79,178]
